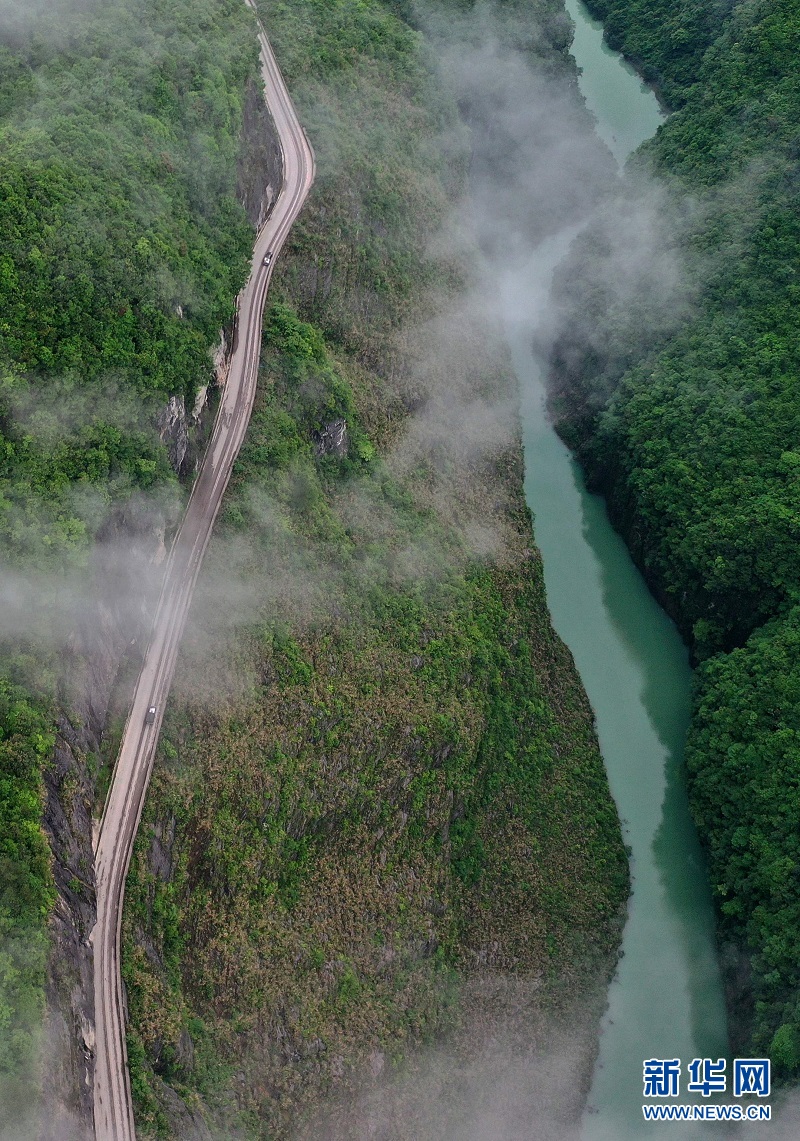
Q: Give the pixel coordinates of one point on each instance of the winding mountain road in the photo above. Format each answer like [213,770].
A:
[113,1112]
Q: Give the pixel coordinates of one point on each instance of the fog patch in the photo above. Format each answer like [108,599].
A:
[19,19]
[539,170]
[621,289]
[785,1123]
[508,1070]
[538,175]
[536,161]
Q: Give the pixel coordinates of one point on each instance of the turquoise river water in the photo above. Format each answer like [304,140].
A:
[666,999]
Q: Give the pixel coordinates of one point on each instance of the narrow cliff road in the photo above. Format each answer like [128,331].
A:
[113,1112]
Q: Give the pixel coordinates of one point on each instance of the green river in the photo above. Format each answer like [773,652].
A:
[666,999]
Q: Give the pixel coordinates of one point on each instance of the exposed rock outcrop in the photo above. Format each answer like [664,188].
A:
[185,433]
[185,1125]
[332,439]
[259,175]
[173,428]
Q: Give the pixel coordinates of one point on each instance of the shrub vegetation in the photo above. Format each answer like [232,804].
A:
[384,778]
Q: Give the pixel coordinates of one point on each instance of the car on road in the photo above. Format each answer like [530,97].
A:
[268,257]
[150,715]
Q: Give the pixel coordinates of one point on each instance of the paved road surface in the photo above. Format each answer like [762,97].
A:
[113,1115]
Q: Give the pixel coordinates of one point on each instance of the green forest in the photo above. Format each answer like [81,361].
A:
[122,249]
[692,435]
[26,889]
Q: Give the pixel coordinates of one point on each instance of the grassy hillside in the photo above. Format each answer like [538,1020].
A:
[378,778]
[693,438]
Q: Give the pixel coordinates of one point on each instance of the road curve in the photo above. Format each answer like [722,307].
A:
[113,1112]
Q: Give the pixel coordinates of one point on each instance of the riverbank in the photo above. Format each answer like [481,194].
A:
[666,999]
[690,434]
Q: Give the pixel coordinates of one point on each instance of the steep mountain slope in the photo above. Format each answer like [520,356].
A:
[123,248]
[379,800]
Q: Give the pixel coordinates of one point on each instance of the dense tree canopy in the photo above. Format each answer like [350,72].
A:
[744,761]
[123,245]
[693,435]
[26,891]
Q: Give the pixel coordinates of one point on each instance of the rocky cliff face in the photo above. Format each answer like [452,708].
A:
[260,172]
[98,670]
[258,182]
[184,433]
